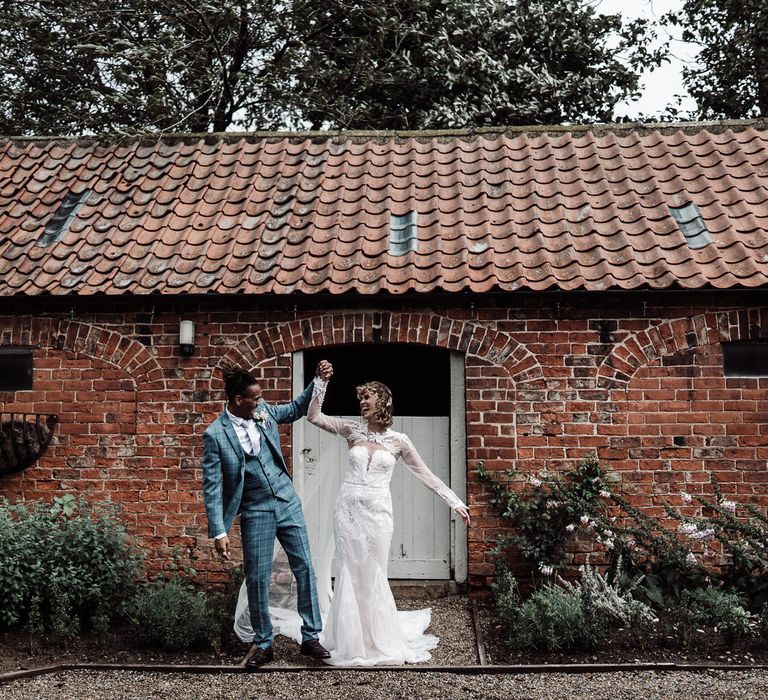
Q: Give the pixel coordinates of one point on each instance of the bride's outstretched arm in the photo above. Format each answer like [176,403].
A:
[318,418]
[415,464]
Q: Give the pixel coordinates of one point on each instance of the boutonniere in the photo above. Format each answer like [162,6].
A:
[261,417]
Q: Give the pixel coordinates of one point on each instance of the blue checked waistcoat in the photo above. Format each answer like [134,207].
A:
[224,464]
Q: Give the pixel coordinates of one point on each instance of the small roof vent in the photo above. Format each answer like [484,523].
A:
[691,225]
[403,233]
[63,217]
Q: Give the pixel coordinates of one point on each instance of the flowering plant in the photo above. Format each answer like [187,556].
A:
[717,541]
[710,570]
[549,511]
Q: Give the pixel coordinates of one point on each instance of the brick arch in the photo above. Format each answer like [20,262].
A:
[438,331]
[86,339]
[679,335]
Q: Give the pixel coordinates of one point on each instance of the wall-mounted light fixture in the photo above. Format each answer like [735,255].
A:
[187,338]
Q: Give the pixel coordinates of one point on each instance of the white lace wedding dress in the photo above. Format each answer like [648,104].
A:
[363,626]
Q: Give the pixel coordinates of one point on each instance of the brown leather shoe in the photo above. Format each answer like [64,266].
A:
[260,657]
[314,650]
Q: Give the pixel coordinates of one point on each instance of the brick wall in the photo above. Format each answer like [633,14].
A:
[548,381]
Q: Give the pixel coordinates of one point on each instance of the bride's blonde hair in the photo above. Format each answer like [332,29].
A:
[382,410]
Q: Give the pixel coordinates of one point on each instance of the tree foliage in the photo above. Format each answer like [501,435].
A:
[731,78]
[447,63]
[117,65]
[196,65]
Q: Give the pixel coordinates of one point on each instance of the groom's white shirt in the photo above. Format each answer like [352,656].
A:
[246,433]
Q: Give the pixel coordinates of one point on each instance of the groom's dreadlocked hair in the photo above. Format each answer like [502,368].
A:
[236,381]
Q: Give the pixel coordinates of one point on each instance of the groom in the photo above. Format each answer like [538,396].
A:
[244,472]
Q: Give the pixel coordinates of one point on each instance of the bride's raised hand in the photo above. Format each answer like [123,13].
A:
[464,513]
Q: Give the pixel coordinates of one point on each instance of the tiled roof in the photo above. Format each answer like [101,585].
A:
[579,209]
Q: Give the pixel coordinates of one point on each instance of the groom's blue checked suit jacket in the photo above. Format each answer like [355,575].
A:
[224,460]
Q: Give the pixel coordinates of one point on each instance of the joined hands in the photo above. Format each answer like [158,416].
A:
[324,370]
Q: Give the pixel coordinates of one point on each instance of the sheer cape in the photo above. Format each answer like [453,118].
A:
[320,488]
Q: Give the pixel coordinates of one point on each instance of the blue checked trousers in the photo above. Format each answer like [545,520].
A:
[259,526]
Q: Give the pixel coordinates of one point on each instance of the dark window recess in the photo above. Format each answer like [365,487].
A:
[419,377]
[63,217]
[748,358]
[15,369]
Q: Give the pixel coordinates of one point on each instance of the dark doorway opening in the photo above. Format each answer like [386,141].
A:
[418,376]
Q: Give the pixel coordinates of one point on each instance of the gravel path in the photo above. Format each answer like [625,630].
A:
[451,620]
[125,685]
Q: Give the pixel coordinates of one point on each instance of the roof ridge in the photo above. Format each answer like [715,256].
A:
[370,134]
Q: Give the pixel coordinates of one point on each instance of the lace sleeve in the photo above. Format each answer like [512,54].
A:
[318,418]
[416,465]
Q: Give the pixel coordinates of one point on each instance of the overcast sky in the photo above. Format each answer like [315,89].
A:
[661,85]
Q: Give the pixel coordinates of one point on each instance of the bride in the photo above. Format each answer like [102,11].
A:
[363,626]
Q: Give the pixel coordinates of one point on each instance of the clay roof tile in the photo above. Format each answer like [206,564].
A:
[583,209]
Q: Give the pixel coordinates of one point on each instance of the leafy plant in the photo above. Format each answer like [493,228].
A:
[551,508]
[569,615]
[611,600]
[762,623]
[726,545]
[742,532]
[468,62]
[715,608]
[506,594]
[552,619]
[730,75]
[171,615]
[64,565]
[675,560]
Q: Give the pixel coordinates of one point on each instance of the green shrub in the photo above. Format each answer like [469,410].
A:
[553,619]
[64,565]
[506,594]
[171,615]
[762,623]
[668,561]
[568,616]
[712,608]
[612,600]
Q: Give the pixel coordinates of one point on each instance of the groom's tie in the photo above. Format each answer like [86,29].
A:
[253,434]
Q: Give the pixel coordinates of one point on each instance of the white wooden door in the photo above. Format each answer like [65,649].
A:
[421,543]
